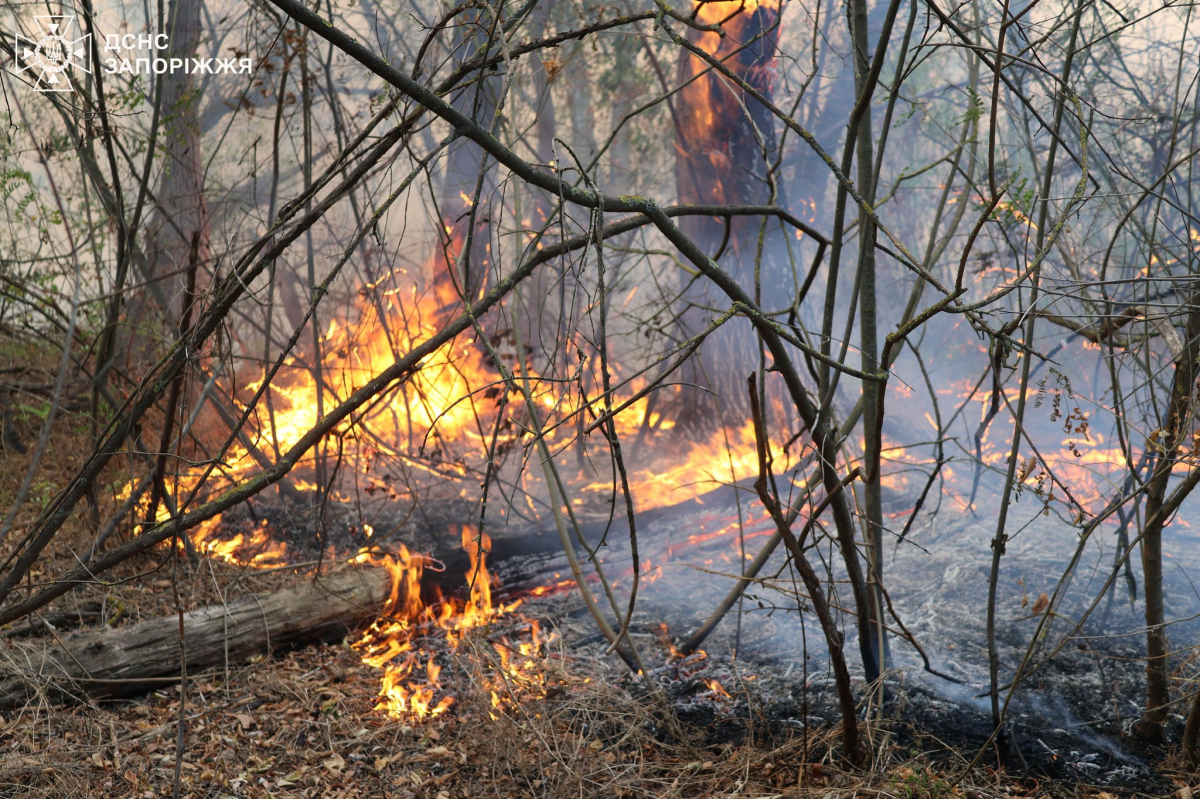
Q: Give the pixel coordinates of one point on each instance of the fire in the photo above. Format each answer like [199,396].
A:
[704,465]
[711,105]
[438,407]
[441,423]
[257,549]
[717,689]
[407,641]
[559,586]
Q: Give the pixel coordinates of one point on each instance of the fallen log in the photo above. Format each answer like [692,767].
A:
[140,657]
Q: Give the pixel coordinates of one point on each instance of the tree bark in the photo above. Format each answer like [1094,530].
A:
[139,657]
[466,219]
[179,222]
[1176,429]
[724,143]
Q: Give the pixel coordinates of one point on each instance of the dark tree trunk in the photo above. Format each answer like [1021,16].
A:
[725,141]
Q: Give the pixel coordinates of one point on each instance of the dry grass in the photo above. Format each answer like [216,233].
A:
[303,725]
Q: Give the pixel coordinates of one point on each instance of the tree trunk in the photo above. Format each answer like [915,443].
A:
[876,649]
[723,143]
[544,288]
[1176,429]
[180,216]
[136,658]
[458,275]
[1191,734]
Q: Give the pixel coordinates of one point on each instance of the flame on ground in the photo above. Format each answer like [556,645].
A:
[411,640]
[257,548]
[441,423]
[717,689]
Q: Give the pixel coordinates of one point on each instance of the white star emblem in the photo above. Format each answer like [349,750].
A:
[53,53]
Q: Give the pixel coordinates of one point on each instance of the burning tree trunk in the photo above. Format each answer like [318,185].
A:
[725,136]
[134,659]
[724,141]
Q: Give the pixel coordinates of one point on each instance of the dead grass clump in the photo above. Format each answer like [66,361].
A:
[593,733]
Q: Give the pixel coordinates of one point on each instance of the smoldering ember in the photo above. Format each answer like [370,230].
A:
[655,398]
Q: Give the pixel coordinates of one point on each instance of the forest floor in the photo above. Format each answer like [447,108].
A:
[304,723]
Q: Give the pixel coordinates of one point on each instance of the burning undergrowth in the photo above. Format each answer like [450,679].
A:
[564,404]
[435,648]
[302,724]
[477,424]
[441,656]
[412,639]
[423,455]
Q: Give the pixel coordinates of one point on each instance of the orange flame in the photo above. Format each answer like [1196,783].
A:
[717,689]
[404,642]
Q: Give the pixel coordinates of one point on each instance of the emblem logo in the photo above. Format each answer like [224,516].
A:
[53,53]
